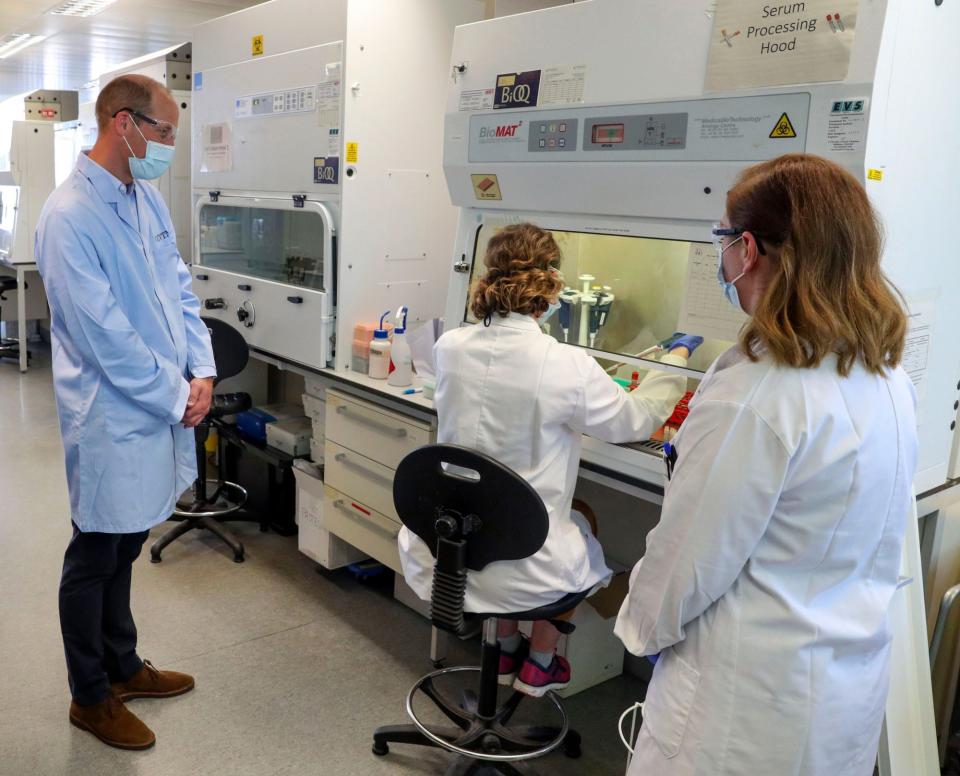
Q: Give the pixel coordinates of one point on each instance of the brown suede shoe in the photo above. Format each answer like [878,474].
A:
[150,682]
[113,723]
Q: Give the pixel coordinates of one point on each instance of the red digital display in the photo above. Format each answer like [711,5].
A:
[607,133]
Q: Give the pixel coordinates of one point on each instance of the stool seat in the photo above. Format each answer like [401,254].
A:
[548,612]
[224,404]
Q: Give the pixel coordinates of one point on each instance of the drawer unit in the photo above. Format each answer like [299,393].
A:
[366,529]
[377,433]
[350,472]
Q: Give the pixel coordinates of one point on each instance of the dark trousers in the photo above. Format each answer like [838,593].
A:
[99,635]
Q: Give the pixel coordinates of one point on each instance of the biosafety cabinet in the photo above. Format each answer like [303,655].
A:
[316,146]
[621,124]
[42,155]
[172,67]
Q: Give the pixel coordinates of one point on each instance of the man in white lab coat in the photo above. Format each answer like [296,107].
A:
[765,588]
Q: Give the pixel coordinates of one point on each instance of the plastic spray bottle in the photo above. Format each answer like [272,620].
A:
[380,351]
[401,373]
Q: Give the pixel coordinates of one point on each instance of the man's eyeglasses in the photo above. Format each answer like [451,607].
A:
[718,232]
[166,131]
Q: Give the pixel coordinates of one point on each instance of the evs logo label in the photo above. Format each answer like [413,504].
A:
[517,90]
[848,106]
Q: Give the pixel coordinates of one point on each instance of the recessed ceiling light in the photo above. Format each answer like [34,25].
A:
[80,7]
[17,42]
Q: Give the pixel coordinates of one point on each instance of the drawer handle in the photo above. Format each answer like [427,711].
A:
[346,461]
[398,432]
[295,299]
[244,286]
[341,505]
[201,277]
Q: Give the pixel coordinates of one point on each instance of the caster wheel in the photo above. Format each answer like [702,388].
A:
[155,559]
[571,746]
[380,750]
[438,664]
[238,558]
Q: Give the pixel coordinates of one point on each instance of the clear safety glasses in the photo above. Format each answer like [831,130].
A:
[165,131]
[719,231]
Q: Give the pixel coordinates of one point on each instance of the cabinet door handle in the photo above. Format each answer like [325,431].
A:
[373,475]
[201,277]
[383,427]
[244,287]
[295,299]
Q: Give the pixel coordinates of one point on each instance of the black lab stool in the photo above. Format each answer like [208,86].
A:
[213,501]
[473,511]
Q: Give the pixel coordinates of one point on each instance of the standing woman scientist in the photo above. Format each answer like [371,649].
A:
[766,585]
[507,389]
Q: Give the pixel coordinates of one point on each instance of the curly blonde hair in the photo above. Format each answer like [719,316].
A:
[522,262]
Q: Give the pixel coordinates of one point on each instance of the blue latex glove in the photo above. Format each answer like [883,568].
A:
[653,658]
[680,340]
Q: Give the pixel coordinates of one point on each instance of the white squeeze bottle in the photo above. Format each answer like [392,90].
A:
[402,373]
[380,352]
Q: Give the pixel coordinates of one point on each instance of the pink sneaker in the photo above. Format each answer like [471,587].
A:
[536,682]
[510,663]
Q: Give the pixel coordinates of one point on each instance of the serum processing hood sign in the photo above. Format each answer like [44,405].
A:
[757,43]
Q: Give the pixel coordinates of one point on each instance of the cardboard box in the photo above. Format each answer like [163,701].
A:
[314,540]
[316,410]
[315,387]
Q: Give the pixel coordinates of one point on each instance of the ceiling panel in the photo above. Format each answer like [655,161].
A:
[79,50]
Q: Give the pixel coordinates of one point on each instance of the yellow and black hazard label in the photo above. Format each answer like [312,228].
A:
[256,45]
[783,128]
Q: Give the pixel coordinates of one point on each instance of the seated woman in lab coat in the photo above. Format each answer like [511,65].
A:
[766,585]
[506,388]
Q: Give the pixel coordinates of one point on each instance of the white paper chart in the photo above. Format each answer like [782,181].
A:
[705,311]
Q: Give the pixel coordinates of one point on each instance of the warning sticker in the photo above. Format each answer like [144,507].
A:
[874,174]
[256,45]
[326,169]
[517,90]
[783,128]
[486,187]
[353,153]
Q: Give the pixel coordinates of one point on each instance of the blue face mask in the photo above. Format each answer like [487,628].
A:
[154,163]
[727,286]
[551,311]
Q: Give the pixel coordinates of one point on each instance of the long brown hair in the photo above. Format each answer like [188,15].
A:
[521,276]
[827,293]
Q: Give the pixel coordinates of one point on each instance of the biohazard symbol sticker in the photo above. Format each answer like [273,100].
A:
[783,128]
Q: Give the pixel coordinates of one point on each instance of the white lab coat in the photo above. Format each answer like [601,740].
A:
[517,394]
[766,584]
